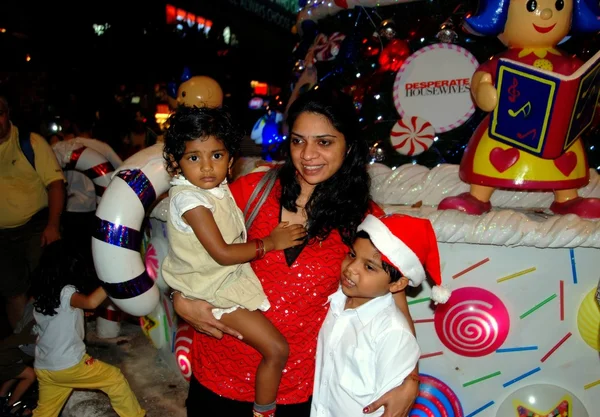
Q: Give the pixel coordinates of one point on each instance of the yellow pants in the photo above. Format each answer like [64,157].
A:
[56,386]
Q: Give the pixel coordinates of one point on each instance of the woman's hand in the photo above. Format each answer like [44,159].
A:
[198,314]
[398,401]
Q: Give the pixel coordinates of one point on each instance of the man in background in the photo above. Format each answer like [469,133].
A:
[31,202]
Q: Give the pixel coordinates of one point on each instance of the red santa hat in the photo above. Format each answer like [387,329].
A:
[408,243]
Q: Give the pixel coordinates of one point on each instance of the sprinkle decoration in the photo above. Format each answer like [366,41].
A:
[551,351]
[537,306]
[480,409]
[516,274]
[435,399]
[469,269]
[519,378]
[591,384]
[423,321]
[420,300]
[562,300]
[431,355]
[517,349]
[573,265]
[483,378]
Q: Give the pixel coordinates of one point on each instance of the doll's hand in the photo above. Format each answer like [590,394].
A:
[485,94]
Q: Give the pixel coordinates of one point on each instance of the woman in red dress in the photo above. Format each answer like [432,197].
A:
[530,29]
[324,185]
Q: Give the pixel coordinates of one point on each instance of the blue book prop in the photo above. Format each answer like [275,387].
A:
[542,112]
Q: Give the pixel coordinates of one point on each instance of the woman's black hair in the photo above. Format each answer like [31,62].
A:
[390,269]
[59,267]
[191,123]
[341,202]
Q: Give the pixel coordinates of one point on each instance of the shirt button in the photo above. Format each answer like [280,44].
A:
[331,354]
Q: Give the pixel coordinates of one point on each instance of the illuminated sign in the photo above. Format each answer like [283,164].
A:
[184,19]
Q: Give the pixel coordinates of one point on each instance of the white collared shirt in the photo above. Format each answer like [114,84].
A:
[361,354]
[190,199]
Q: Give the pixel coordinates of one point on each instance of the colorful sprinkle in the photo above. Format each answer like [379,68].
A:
[537,306]
[420,300]
[469,269]
[483,378]
[551,351]
[431,355]
[591,384]
[562,300]
[573,265]
[516,349]
[525,375]
[516,274]
[480,409]
[423,321]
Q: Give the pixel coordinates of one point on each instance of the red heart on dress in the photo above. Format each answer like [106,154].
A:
[341,3]
[502,159]
[566,163]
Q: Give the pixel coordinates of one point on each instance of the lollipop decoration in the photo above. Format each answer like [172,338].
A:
[183,349]
[412,136]
[436,399]
[473,323]
[327,48]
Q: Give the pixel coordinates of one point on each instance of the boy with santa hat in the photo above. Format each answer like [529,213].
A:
[365,346]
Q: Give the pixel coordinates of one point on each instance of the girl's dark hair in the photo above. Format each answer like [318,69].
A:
[191,123]
[390,269]
[341,201]
[58,268]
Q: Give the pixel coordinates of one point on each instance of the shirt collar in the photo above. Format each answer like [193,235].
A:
[365,312]
[539,52]
[218,192]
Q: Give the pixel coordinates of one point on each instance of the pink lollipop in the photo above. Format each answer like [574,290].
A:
[474,322]
[183,349]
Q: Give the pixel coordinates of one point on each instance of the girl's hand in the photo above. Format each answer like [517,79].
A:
[285,236]
[198,314]
[398,401]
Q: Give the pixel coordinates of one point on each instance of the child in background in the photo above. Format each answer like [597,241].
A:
[365,346]
[61,362]
[208,252]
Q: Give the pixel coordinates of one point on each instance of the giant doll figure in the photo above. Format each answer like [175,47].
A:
[530,29]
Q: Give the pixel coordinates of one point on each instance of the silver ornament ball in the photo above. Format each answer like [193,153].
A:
[377,153]
[387,29]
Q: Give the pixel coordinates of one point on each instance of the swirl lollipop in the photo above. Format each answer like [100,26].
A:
[183,350]
[326,49]
[435,399]
[474,322]
[412,136]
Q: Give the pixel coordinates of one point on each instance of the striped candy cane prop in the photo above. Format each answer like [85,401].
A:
[117,239]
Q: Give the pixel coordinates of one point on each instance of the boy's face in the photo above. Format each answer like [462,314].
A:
[363,276]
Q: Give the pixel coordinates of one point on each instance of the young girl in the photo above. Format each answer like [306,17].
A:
[207,237]
[61,362]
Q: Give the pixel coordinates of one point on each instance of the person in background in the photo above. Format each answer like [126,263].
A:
[61,362]
[79,217]
[32,196]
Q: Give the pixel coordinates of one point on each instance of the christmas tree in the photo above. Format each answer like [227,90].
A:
[360,48]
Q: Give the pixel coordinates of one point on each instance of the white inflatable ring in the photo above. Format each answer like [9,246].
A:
[117,239]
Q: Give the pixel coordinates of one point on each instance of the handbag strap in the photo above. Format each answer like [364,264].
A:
[266,182]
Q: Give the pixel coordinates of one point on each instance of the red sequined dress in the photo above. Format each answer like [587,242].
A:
[298,296]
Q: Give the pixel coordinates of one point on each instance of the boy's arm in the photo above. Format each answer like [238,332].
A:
[402,304]
[397,356]
[88,302]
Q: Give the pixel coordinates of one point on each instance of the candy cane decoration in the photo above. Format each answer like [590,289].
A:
[326,49]
[117,239]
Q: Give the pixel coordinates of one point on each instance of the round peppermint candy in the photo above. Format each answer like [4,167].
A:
[412,136]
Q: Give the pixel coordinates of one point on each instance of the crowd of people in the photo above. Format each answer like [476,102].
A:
[293,279]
